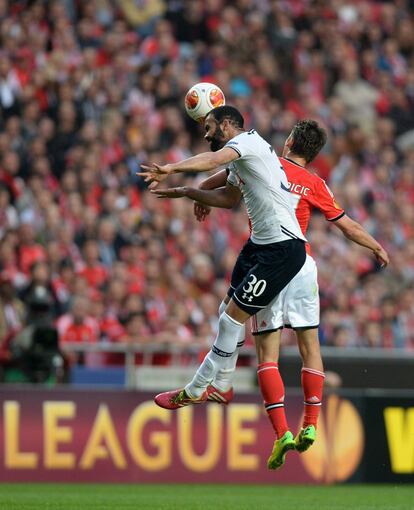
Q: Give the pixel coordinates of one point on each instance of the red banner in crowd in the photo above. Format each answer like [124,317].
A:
[121,436]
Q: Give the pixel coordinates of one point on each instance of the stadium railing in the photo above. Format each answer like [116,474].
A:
[356,366]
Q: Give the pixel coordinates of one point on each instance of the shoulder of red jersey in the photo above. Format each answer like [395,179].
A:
[319,195]
[325,201]
[299,177]
[298,172]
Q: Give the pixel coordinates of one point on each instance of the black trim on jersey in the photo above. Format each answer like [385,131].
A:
[221,353]
[338,217]
[257,333]
[294,162]
[240,344]
[289,233]
[235,150]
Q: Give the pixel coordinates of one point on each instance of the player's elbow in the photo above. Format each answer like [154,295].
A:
[347,231]
[348,227]
[233,201]
[229,204]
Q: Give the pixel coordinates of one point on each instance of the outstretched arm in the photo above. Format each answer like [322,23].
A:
[200,163]
[225,197]
[356,232]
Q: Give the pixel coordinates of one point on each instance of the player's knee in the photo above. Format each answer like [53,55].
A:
[222,307]
[310,353]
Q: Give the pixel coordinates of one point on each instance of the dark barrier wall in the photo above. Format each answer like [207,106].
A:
[108,436]
[357,371]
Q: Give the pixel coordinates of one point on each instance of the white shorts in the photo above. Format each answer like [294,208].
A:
[297,306]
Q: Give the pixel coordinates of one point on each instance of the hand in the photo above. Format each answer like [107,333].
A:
[201,211]
[170,192]
[382,256]
[155,174]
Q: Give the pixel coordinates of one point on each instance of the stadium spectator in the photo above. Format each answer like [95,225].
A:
[88,94]
[12,309]
[78,326]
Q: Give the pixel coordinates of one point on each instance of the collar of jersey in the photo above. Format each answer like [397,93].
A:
[294,162]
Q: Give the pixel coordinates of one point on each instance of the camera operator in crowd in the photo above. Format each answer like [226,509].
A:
[33,350]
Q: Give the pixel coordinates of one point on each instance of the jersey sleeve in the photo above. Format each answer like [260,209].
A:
[324,200]
[241,145]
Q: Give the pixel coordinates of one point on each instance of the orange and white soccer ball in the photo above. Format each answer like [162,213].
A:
[201,98]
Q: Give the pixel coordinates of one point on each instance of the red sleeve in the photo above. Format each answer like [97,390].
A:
[325,201]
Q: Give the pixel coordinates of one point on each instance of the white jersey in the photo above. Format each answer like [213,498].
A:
[261,179]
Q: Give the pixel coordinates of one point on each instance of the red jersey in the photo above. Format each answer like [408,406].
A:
[95,275]
[309,191]
[79,333]
[29,254]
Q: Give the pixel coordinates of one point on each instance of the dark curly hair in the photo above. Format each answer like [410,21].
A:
[228,112]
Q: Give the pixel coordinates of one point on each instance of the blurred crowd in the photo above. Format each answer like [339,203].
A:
[90,90]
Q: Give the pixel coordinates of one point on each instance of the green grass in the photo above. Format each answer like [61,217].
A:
[204,497]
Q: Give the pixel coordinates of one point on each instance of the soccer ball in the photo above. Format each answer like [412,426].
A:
[201,98]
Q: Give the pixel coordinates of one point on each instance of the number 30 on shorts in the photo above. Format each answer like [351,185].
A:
[255,286]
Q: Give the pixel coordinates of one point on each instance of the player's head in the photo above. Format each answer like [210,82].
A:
[306,140]
[222,124]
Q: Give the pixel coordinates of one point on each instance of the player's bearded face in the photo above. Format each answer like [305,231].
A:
[217,140]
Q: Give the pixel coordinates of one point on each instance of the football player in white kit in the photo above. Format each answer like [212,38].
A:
[273,255]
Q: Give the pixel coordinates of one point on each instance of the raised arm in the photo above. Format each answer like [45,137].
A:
[356,232]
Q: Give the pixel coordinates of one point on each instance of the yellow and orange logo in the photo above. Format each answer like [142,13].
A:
[339,446]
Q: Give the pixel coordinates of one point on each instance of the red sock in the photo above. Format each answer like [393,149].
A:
[312,385]
[273,392]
